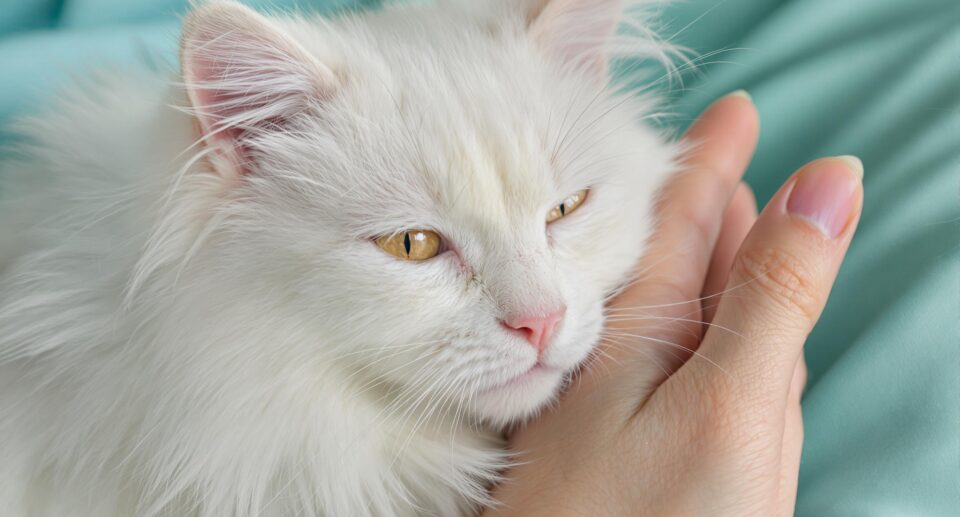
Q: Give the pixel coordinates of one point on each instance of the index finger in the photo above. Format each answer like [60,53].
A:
[690,211]
[691,205]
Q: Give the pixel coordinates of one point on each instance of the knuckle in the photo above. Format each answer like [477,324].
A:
[687,197]
[782,278]
[703,223]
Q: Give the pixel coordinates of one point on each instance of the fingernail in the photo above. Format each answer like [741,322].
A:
[742,94]
[853,163]
[825,194]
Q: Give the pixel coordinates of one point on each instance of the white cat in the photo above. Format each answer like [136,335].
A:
[318,271]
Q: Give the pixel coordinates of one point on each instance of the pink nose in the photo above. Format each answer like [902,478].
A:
[537,330]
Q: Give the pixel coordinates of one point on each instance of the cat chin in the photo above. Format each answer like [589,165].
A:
[519,398]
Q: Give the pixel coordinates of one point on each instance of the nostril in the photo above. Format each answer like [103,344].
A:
[524,332]
[536,329]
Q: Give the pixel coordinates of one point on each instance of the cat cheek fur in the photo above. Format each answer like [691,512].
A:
[209,329]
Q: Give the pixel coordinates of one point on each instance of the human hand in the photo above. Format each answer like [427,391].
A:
[693,406]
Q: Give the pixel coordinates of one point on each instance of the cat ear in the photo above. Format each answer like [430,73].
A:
[577,32]
[244,76]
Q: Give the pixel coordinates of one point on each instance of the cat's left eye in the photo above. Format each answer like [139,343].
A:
[567,206]
[411,244]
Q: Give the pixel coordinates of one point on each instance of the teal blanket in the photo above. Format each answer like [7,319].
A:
[875,78]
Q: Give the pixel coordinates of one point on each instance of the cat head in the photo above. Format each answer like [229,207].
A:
[439,198]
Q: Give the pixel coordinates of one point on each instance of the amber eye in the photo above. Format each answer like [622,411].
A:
[568,205]
[411,244]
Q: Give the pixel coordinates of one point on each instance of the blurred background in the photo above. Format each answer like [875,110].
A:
[876,78]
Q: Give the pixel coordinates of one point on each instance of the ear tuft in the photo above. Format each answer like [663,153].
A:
[244,76]
[577,32]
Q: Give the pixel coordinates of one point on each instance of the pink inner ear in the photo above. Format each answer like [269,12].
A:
[245,77]
[233,94]
[578,31]
[213,105]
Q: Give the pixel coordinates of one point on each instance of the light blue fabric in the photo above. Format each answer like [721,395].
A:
[43,42]
[879,79]
[876,78]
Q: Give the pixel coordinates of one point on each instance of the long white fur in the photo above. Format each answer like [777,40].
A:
[206,327]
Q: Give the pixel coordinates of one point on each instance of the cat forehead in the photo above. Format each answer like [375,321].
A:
[440,61]
[480,167]
[477,149]
[452,122]
[439,158]
[389,161]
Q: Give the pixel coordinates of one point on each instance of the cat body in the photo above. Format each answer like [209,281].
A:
[196,319]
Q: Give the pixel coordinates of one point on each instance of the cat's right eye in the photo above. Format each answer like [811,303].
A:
[413,245]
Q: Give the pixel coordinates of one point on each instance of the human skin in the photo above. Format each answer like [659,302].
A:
[719,432]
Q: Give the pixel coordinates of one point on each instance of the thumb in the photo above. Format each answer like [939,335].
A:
[782,276]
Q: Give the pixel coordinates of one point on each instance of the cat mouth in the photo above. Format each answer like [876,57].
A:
[534,373]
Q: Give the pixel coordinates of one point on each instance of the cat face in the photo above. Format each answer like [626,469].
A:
[494,157]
